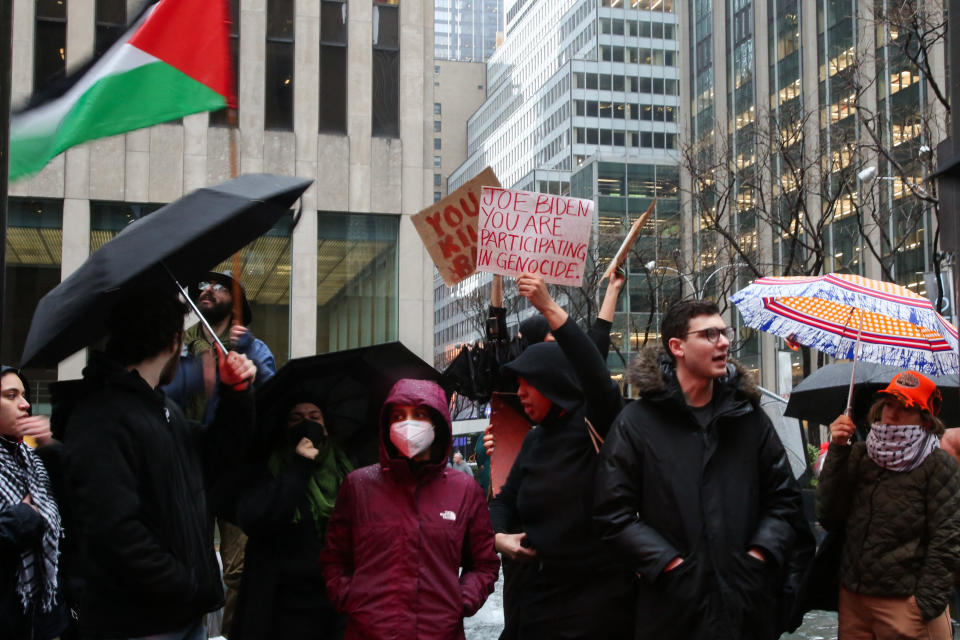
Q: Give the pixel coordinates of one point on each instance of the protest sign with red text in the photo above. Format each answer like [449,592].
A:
[448,228]
[522,231]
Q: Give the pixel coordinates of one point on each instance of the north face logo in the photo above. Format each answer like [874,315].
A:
[448,515]
[908,380]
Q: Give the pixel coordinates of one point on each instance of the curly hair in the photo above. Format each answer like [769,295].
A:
[143,323]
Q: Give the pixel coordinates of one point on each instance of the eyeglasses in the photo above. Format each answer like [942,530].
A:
[712,334]
[217,287]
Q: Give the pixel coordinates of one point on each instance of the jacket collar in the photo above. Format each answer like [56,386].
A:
[653,376]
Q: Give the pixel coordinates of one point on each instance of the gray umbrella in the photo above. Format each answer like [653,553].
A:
[822,396]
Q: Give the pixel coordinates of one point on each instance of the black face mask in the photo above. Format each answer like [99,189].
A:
[314,431]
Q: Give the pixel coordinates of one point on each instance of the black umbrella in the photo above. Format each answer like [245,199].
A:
[189,236]
[351,386]
[822,396]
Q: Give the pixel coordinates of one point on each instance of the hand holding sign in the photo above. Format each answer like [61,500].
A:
[533,288]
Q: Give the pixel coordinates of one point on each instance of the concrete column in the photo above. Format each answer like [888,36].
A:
[360,100]
[75,248]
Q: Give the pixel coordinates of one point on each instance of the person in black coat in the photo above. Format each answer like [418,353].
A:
[695,493]
[542,515]
[136,472]
[284,509]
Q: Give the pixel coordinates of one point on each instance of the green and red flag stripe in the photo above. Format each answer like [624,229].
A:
[174,60]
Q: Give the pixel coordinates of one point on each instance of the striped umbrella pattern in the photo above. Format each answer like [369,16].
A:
[897,326]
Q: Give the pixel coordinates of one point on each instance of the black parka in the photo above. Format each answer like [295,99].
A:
[136,472]
[667,488]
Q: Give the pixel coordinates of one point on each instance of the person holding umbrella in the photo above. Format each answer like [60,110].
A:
[195,387]
[897,497]
[401,529]
[283,509]
[136,474]
[30,523]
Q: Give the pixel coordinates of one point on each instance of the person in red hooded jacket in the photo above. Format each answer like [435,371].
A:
[402,529]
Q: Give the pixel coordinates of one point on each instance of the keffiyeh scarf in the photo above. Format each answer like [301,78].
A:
[22,472]
[900,447]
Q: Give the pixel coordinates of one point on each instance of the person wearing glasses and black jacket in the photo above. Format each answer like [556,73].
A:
[694,492]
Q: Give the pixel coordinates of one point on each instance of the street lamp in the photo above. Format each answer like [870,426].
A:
[652,266]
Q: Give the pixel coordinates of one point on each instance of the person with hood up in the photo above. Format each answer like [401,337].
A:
[401,529]
[897,499]
[31,531]
[695,494]
[283,508]
[542,515]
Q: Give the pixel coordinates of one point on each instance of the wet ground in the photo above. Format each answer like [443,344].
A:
[488,622]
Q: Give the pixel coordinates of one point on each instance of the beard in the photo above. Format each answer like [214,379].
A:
[217,312]
[169,370]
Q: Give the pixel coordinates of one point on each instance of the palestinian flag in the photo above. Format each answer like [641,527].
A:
[173,61]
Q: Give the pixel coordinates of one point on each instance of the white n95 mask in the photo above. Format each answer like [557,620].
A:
[412,437]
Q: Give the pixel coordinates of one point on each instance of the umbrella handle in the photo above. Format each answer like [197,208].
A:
[193,306]
[853,370]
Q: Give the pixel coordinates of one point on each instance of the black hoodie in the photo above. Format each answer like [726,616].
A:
[549,492]
[136,475]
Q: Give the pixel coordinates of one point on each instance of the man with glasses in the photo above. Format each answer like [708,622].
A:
[195,389]
[695,491]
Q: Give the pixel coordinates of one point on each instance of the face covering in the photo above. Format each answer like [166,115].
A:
[306,429]
[411,437]
[900,447]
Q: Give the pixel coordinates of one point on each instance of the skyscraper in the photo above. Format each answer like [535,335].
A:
[466,30]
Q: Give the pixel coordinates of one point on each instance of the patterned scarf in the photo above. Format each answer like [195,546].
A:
[900,447]
[22,472]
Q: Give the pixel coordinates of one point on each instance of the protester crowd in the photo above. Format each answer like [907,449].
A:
[670,515]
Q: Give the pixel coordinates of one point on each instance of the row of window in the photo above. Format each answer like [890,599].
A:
[666,6]
[626,111]
[642,139]
[111,21]
[638,55]
[631,84]
[642,29]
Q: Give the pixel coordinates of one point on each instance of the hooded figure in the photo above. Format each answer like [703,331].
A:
[402,529]
[30,526]
[283,508]
[543,512]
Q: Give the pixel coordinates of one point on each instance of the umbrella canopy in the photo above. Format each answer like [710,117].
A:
[351,386]
[822,395]
[899,327]
[189,236]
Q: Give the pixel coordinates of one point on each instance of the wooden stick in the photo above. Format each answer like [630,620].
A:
[631,238]
[234,169]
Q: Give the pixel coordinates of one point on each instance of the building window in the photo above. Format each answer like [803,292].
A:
[437,180]
[357,280]
[111,22]
[34,234]
[386,68]
[436,109]
[436,162]
[436,126]
[436,144]
[221,117]
[333,66]
[49,42]
[278,107]
[437,196]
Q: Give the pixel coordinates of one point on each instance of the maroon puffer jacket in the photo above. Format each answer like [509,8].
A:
[396,539]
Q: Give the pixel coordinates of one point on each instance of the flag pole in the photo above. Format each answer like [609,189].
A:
[6,56]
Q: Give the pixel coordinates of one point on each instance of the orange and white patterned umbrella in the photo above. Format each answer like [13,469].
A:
[896,326]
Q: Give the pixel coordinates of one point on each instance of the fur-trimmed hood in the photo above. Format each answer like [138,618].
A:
[651,371]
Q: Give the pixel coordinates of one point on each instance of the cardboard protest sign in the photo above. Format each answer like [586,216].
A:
[448,228]
[537,233]
[510,427]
